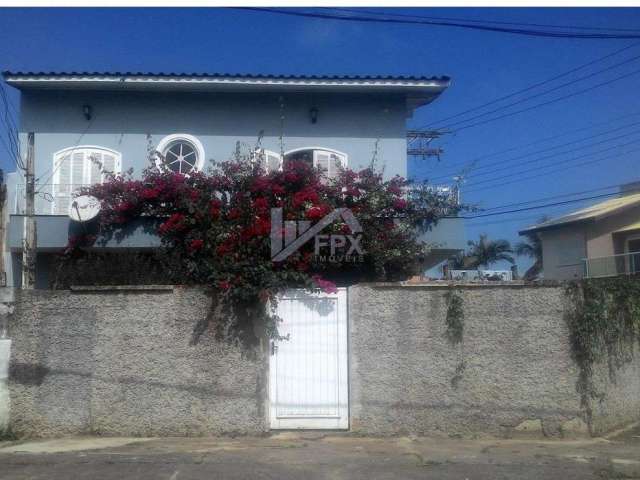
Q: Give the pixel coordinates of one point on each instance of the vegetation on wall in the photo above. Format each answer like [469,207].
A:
[455,317]
[216,227]
[455,331]
[604,326]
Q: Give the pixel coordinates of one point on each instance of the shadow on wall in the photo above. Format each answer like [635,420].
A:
[31,374]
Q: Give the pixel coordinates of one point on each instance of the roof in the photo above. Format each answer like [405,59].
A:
[627,228]
[594,212]
[422,89]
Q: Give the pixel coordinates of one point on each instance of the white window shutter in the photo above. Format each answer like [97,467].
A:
[95,160]
[77,170]
[108,165]
[62,184]
[77,167]
[321,161]
[335,163]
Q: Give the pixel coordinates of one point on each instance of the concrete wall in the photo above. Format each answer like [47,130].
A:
[518,372]
[120,363]
[5,403]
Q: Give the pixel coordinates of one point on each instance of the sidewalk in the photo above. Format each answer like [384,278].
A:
[314,455]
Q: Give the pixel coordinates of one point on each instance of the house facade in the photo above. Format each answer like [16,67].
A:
[598,241]
[119,118]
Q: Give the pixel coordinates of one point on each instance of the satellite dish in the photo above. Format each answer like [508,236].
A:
[84,208]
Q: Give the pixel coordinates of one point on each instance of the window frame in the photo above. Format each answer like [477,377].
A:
[265,153]
[344,158]
[86,151]
[166,142]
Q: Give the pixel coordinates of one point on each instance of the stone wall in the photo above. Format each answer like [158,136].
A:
[119,362]
[5,403]
[512,372]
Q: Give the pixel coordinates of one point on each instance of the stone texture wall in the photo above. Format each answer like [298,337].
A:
[120,363]
[5,349]
[512,372]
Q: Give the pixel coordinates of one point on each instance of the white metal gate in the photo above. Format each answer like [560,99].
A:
[308,373]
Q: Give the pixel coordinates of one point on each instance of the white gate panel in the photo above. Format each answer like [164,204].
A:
[309,372]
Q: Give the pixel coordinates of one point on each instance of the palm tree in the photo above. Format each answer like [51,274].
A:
[485,252]
[532,248]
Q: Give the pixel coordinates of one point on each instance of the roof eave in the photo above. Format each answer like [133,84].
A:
[61,81]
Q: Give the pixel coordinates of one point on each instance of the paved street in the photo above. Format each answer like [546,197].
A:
[316,456]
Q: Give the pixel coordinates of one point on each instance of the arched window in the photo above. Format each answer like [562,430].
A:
[270,161]
[328,161]
[80,166]
[180,153]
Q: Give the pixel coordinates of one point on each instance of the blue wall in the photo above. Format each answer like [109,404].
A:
[121,121]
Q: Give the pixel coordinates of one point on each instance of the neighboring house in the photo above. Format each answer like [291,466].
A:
[601,240]
[117,118]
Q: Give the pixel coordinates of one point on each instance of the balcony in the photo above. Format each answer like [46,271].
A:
[612,266]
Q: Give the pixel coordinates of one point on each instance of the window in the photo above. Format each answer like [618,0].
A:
[327,161]
[270,161]
[80,166]
[180,153]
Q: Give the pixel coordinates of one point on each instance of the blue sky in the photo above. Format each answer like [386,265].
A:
[483,66]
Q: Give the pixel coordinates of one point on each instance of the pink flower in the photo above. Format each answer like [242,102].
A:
[150,193]
[325,285]
[196,244]
[316,213]
[173,224]
[400,204]
[124,206]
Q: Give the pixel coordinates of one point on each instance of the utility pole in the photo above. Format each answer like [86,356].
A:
[30,239]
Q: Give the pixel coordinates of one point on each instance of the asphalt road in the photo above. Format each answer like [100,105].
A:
[315,456]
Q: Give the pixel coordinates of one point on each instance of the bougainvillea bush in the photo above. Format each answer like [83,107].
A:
[217,225]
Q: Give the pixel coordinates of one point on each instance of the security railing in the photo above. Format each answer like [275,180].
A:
[613,265]
[51,199]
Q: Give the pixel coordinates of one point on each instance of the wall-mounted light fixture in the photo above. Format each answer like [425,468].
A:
[313,114]
[86,111]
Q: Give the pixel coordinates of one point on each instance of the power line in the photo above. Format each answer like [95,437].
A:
[515,174]
[519,157]
[441,23]
[552,171]
[566,202]
[540,94]
[535,142]
[554,197]
[467,20]
[535,85]
[553,155]
[504,220]
[549,102]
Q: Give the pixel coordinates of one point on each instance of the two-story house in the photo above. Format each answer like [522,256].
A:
[116,118]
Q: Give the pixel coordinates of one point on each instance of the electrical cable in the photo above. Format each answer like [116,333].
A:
[486,28]
[520,157]
[552,171]
[566,202]
[532,87]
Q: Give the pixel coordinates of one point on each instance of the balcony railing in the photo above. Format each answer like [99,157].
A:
[611,266]
[51,199]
